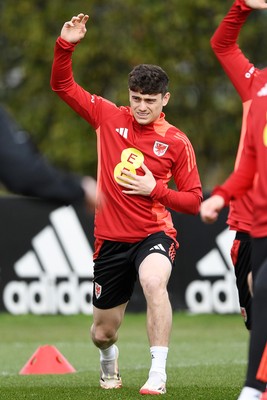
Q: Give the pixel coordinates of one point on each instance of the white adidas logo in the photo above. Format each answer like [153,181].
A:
[263,91]
[203,296]
[158,247]
[60,258]
[123,132]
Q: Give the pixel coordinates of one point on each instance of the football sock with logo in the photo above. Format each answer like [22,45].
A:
[158,364]
[108,354]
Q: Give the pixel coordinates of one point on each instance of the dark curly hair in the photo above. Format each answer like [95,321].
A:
[148,79]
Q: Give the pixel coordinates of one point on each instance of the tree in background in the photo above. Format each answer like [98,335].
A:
[174,34]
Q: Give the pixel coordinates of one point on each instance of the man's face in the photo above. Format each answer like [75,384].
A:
[146,108]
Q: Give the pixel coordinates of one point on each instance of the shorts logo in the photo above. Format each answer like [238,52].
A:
[158,247]
[160,148]
[98,290]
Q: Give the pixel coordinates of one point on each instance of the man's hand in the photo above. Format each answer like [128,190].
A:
[256,4]
[210,208]
[75,29]
[89,186]
[137,184]
[250,283]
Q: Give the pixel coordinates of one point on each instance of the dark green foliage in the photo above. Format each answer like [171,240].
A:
[174,34]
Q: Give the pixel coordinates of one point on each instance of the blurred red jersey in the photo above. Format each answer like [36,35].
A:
[242,74]
[253,160]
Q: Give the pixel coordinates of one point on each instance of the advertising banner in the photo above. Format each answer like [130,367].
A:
[46,261]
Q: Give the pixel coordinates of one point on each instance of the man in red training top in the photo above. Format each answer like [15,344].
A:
[252,174]
[138,153]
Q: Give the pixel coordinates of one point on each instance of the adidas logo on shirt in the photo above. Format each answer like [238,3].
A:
[263,91]
[123,132]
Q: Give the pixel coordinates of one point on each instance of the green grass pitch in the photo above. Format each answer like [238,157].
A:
[207,358]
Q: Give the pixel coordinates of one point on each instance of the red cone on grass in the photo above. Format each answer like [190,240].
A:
[47,360]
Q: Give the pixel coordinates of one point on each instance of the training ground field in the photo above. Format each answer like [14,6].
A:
[207,358]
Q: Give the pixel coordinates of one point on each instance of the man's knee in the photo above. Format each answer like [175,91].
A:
[102,336]
[152,283]
[155,290]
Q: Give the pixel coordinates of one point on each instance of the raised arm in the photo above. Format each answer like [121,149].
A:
[256,4]
[74,30]
[62,77]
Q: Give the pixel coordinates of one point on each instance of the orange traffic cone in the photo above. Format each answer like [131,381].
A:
[47,360]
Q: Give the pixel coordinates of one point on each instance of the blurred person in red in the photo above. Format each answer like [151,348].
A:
[242,74]
[251,175]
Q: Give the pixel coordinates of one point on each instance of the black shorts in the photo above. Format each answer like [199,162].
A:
[241,258]
[117,264]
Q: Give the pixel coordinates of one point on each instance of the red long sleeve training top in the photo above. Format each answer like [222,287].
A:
[123,143]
